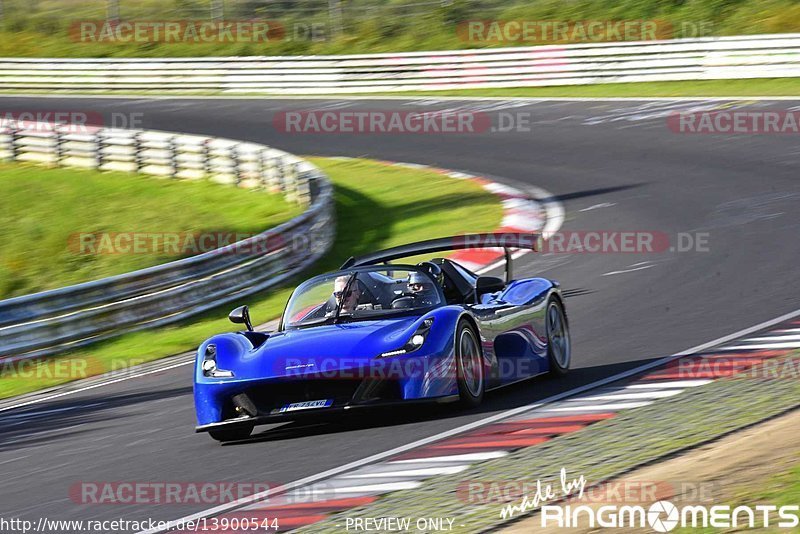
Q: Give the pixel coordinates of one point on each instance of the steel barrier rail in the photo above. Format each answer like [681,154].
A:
[52,321]
[755,56]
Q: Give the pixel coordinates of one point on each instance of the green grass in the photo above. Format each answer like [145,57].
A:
[44,211]
[783,488]
[699,88]
[41,28]
[780,489]
[376,206]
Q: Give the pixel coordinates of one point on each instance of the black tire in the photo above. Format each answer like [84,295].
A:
[559,346]
[232,434]
[469,361]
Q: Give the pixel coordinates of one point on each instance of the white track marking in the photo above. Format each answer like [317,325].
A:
[736,335]
[367,488]
[787,331]
[632,396]
[470,426]
[599,206]
[672,384]
[600,407]
[422,472]
[788,345]
[775,338]
[611,273]
[470,457]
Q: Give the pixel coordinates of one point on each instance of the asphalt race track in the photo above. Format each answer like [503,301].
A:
[613,165]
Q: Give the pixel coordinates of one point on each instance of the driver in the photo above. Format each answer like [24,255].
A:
[421,288]
[348,301]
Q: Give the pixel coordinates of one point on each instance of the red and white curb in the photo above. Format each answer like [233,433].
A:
[307,504]
[522,213]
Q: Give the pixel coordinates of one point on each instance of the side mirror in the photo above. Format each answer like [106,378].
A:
[488,284]
[241,315]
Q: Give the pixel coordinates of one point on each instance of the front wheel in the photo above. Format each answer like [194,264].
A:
[559,348]
[469,364]
[231,434]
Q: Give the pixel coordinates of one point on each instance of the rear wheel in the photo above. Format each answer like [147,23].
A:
[469,364]
[231,434]
[559,348]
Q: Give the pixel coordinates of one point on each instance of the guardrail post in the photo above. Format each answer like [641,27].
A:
[173,157]
[237,164]
[59,146]
[304,187]
[138,159]
[273,183]
[14,142]
[5,147]
[207,157]
[98,149]
[263,166]
[280,175]
[291,181]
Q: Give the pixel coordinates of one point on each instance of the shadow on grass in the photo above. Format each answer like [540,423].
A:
[362,224]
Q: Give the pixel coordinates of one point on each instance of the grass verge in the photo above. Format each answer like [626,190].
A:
[781,489]
[784,87]
[51,28]
[377,206]
[44,211]
[698,88]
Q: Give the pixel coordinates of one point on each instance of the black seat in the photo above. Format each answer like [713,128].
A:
[457,289]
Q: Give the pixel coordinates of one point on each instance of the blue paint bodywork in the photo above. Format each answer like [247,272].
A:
[343,361]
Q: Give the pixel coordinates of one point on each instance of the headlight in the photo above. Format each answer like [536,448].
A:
[209,365]
[416,341]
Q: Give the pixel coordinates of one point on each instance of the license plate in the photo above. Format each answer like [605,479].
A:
[307,405]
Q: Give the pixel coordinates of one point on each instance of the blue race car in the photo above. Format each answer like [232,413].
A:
[376,333]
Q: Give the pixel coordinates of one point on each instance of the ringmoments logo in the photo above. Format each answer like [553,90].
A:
[664,516]
[556,509]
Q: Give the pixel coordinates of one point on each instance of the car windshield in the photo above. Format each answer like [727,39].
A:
[361,294]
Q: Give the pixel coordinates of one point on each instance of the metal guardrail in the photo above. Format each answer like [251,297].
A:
[755,56]
[52,321]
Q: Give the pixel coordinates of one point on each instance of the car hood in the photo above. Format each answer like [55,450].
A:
[325,348]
